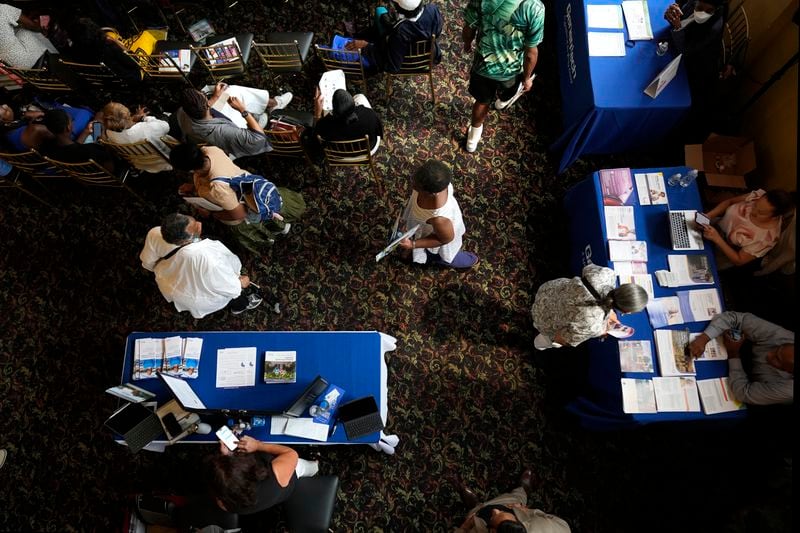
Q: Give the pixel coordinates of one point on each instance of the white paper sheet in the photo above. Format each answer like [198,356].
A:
[328,84]
[637,18]
[717,397]
[236,367]
[638,396]
[254,100]
[635,251]
[605,44]
[620,225]
[604,16]
[307,428]
[676,394]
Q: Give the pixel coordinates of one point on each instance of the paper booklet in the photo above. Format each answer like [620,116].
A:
[173,356]
[329,83]
[236,367]
[620,225]
[638,396]
[676,394]
[686,270]
[714,351]
[280,367]
[604,17]
[617,186]
[627,251]
[199,201]
[635,356]
[664,77]
[645,281]
[651,188]
[147,358]
[629,268]
[664,311]
[637,18]
[130,392]
[181,58]
[605,44]
[222,52]
[255,101]
[517,94]
[671,349]
[688,306]
[395,243]
[716,396]
[192,348]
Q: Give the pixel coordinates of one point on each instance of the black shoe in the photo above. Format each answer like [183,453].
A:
[469,498]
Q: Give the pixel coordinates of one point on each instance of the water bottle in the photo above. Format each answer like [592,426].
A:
[688,178]
[319,410]
[663,46]
[674,179]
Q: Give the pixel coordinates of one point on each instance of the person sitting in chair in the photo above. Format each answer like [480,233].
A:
[28,132]
[63,148]
[122,127]
[352,118]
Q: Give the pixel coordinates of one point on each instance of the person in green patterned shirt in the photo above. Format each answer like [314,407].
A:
[508,34]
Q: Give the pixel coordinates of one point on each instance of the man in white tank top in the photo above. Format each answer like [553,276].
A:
[441,227]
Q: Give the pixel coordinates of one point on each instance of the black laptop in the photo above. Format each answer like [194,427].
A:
[138,425]
[360,417]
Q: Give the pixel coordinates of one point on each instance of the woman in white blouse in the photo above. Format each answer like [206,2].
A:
[123,128]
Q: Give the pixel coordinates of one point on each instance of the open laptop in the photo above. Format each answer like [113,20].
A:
[190,401]
[138,425]
[684,231]
[360,417]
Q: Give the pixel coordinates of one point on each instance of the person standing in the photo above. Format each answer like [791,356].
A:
[771,377]
[198,275]
[508,34]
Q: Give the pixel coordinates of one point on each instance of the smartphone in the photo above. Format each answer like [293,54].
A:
[701,219]
[736,335]
[172,425]
[227,437]
[97,130]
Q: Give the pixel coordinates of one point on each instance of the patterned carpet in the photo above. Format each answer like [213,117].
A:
[467,395]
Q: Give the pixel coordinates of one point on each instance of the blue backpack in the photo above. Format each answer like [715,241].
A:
[256,191]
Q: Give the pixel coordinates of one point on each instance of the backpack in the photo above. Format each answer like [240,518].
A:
[257,193]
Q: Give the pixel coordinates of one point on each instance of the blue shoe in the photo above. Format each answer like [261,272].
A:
[462,260]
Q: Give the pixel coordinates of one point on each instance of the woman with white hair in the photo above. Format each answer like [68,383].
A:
[123,128]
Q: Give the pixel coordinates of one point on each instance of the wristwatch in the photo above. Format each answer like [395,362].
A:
[245,114]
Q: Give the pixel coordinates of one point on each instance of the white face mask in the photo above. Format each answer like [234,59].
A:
[701,16]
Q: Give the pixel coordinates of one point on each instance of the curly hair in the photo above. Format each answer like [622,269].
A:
[233,479]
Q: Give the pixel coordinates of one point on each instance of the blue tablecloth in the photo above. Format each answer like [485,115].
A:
[604,107]
[351,360]
[601,406]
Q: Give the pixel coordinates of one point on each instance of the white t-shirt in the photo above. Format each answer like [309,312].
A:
[151,129]
[414,215]
[201,277]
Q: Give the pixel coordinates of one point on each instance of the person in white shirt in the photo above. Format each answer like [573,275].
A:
[197,275]
[123,128]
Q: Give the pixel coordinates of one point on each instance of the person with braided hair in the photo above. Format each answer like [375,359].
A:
[573,310]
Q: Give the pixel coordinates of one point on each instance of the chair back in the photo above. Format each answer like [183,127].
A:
[89,172]
[141,154]
[160,68]
[280,57]
[350,153]
[221,61]
[99,77]
[8,80]
[286,143]
[346,60]
[33,164]
[42,79]
[170,141]
[736,37]
[419,58]
[310,507]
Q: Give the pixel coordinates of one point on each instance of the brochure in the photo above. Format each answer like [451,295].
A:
[637,18]
[686,270]
[664,311]
[629,268]
[192,347]
[329,83]
[604,17]
[699,305]
[651,188]
[714,351]
[173,356]
[148,361]
[672,357]
[627,251]
[280,367]
[638,396]
[636,356]
[676,394]
[717,397]
[327,403]
[645,281]
[620,225]
[616,186]
[605,44]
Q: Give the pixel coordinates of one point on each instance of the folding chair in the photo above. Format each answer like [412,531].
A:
[142,154]
[287,143]
[170,141]
[284,51]
[418,61]
[736,38]
[92,173]
[160,68]
[352,153]
[12,181]
[98,77]
[40,78]
[226,61]
[348,61]
[34,165]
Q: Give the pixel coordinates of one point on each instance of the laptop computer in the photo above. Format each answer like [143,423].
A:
[360,417]
[684,231]
[138,425]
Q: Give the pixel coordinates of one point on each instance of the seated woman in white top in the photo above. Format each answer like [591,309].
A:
[441,226]
[123,128]
[750,226]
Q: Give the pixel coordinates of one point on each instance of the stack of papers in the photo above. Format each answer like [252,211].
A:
[299,427]
[637,17]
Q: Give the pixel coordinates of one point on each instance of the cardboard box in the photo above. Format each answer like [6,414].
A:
[725,160]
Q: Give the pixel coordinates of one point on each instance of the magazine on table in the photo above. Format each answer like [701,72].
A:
[673,359]
[636,356]
[280,367]
[616,186]
[620,225]
[638,396]
[714,350]
[651,188]
[664,311]
[192,347]
[645,281]
[173,356]
[627,251]
[676,394]
[629,268]
[686,270]
[717,397]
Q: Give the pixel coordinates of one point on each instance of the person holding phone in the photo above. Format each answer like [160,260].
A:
[255,476]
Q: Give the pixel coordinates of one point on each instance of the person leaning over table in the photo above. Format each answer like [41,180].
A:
[750,225]
[255,476]
[565,310]
[771,377]
[198,275]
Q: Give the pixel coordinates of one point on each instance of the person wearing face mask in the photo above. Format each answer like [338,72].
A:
[696,33]
[197,275]
[770,378]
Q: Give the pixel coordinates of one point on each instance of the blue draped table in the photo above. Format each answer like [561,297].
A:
[604,108]
[601,405]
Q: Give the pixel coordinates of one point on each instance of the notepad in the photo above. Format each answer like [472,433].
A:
[604,16]
[604,44]
[307,429]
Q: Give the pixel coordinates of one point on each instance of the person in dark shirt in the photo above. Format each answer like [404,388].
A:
[256,476]
[385,47]
[63,148]
[352,118]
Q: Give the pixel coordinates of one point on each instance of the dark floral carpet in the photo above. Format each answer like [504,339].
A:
[467,394]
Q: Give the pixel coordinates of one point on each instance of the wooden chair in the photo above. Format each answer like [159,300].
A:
[34,165]
[226,62]
[736,38]
[284,51]
[170,141]
[40,78]
[418,61]
[142,154]
[349,62]
[159,68]
[287,143]
[12,181]
[353,153]
[92,173]
[98,77]
[9,81]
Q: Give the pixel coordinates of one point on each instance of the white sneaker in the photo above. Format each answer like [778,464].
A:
[286,228]
[391,440]
[282,100]
[473,137]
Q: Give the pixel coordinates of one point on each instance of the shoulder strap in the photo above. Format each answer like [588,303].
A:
[170,254]
[591,289]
